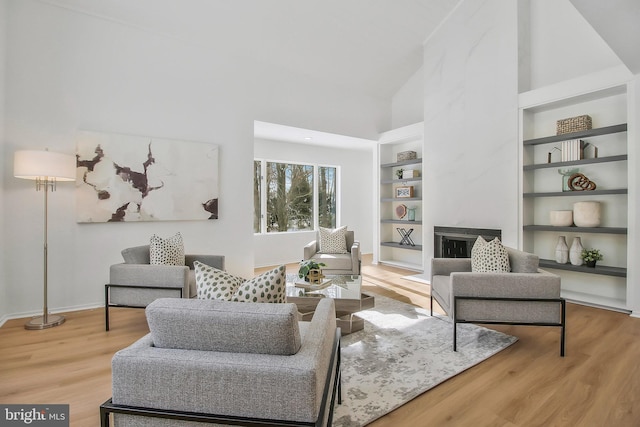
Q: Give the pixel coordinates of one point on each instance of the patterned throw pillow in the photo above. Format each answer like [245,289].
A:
[168,251]
[333,241]
[267,287]
[489,257]
[212,283]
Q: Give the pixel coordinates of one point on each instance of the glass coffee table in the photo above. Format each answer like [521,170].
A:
[344,289]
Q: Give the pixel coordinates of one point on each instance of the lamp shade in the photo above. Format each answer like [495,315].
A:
[34,164]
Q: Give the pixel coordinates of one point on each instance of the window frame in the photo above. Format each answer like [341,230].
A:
[263,194]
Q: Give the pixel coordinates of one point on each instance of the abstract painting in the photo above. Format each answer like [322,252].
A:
[124,178]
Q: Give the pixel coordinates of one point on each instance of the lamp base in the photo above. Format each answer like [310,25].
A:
[39,323]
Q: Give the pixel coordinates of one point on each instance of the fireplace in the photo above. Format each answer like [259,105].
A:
[456,242]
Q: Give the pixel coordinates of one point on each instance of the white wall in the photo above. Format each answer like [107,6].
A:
[407,104]
[564,45]
[4,307]
[68,71]
[471,122]
[356,210]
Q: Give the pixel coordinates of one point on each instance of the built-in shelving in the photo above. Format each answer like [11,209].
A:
[390,231]
[606,284]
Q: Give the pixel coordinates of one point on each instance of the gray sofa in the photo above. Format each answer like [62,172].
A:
[219,361]
[136,283]
[525,296]
[348,263]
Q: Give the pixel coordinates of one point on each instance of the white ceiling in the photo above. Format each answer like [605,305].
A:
[369,46]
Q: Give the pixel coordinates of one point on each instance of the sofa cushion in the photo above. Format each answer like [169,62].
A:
[211,325]
[333,241]
[441,288]
[523,262]
[169,251]
[212,283]
[334,261]
[489,257]
[267,287]
[136,255]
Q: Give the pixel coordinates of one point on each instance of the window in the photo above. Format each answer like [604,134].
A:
[286,197]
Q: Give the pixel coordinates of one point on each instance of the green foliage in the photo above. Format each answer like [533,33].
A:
[307,265]
[591,255]
[399,173]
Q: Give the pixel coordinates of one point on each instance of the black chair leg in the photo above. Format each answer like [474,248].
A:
[106,307]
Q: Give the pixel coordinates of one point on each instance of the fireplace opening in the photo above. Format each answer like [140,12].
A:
[456,242]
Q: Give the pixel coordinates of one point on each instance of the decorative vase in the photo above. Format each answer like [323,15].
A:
[575,253]
[561,218]
[412,214]
[591,264]
[314,276]
[587,214]
[562,251]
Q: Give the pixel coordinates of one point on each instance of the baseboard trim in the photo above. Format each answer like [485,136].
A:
[29,314]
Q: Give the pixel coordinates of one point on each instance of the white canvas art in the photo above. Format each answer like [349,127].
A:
[135,178]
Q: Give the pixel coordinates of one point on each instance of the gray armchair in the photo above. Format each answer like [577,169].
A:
[229,363]
[348,263]
[136,283]
[525,296]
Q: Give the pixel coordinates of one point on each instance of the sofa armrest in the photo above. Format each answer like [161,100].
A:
[507,285]
[446,266]
[310,250]
[170,276]
[215,261]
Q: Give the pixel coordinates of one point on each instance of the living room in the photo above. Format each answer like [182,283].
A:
[66,68]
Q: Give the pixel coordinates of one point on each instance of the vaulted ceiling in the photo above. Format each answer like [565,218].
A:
[369,46]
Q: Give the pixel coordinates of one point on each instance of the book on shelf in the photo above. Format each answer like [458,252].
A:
[573,149]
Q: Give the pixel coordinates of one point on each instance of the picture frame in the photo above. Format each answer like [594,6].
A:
[404,192]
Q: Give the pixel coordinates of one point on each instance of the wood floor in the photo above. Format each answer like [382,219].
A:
[528,384]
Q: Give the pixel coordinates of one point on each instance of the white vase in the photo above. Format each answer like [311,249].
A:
[575,254]
[561,218]
[562,251]
[587,214]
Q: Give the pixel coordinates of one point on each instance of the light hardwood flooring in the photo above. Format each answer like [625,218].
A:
[528,384]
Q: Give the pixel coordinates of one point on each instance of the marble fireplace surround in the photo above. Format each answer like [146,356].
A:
[456,242]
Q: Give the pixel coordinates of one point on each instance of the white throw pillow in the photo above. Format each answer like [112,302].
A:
[168,251]
[267,287]
[489,257]
[212,283]
[333,241]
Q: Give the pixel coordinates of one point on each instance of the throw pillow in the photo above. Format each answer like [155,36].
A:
[267,287]
[168,251]
[333,241]
[489,257]
[212,283]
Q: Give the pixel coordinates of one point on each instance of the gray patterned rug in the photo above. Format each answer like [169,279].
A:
[401,353]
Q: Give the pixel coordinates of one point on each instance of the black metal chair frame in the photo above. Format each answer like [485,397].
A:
[107,304]
[332,389]
[561,324]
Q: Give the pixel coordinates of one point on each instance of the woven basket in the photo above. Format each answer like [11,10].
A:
[573,124]
[406,155]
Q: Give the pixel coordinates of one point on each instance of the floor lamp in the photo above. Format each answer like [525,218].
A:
[46,168]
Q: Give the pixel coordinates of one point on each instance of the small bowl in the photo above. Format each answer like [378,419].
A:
[561,218]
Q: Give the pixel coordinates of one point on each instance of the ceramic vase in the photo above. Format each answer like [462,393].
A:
[587,214]
[575,253]
[562,251]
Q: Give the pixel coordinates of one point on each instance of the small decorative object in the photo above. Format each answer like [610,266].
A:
[573,124]
[562,251]
[406,155]
[406,236]
[551,152]
[579,182]
[402,192]
[587,214]
[566,173]
[410,173]
[412,214]
[401,211]
[399,173]
[561,218]
[575,253]
[590,256]
[307,266]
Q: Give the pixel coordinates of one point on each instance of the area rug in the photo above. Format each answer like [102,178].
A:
[401,353]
